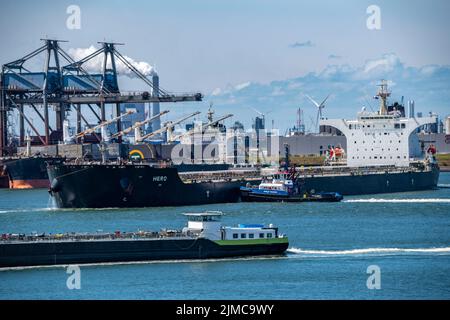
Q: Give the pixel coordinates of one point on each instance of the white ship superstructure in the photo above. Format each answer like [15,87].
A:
[379,138]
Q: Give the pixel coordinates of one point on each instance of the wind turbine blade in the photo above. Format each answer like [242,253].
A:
[324,100]
[258,112]
[312,100]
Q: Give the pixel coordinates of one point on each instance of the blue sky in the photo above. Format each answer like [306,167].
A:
[220,45]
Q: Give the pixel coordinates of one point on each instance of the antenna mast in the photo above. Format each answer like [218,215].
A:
[383,93]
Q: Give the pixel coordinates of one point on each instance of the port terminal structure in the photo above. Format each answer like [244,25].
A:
[65,85]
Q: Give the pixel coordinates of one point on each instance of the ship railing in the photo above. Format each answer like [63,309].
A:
[140,235]
[218,176]
[316,171]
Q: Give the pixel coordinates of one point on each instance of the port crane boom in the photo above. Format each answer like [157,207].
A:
[103,124]
[203,127]
[139,124]
[167,127]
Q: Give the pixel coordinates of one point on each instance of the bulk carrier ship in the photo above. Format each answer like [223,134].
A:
[378,160]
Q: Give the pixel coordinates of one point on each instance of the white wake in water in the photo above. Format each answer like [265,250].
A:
[28,210]
[374,200]
[368,251]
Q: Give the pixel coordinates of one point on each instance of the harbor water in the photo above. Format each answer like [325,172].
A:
[405,236]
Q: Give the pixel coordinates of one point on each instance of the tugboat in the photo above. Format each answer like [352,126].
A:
[285,186]
[204,237]
[282,188]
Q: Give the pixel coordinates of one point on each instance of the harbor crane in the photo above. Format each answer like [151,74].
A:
[168,126]
[103,124]
[139,124]
[203,127]
[65,85]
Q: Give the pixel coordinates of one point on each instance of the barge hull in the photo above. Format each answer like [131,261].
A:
[89,252]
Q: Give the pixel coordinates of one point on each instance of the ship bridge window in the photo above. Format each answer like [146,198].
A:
[251,235]
[397,126]
[243,235]
[403,126]
[269,235]
[235,235]
[261,235]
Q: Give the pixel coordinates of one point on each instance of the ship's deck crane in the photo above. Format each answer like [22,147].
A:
[203,127]
[103,124]
[168,126]
[138,124]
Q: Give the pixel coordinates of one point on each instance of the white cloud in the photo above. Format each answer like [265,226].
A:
[386,63]
[242,86]
[95,64]
[216,92]
[351,87]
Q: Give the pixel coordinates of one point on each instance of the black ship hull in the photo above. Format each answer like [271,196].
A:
[387,182]
[108,186]
[27,173]
[115,186]
[88,252]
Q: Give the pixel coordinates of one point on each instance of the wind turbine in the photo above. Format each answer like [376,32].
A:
[319,108]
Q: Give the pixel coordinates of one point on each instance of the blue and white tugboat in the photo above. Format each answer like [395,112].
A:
[284,187]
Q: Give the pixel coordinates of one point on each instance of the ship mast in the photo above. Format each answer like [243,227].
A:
[383,93]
